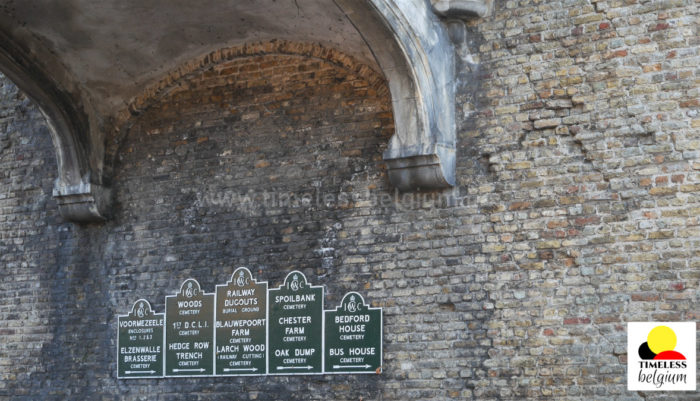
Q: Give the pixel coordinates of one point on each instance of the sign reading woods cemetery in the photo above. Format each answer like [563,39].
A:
[246,329]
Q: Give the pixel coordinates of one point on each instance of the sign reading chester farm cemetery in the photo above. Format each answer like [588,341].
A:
[296,326]
[246,329]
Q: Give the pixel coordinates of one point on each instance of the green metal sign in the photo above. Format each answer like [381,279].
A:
[140,343]
[296,327]
[246,329]
[189,332]
[353,337]
[241,326]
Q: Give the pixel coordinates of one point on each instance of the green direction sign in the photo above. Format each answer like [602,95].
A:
[295,327]
[189,332]
[241,325]
[246,329]
[353,337]
[140,342]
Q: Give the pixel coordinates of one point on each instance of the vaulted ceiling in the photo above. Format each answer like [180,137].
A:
[111,49]
[84,61]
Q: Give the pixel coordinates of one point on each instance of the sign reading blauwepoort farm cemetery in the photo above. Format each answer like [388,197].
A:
[140,345]
[241,325]
[189,332]
[247,329]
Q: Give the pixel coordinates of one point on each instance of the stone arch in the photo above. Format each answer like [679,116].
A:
[77,189]
[405,38]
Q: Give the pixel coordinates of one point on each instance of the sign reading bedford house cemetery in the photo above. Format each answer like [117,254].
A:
[246,329]
[140,345]
[353,337]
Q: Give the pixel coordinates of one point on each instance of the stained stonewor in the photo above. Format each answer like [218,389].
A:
[575,212]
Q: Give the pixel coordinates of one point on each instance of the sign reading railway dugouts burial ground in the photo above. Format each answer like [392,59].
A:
[353,340]
[140,342]
[296,327]
[246,329]
[189,332]
[241,325]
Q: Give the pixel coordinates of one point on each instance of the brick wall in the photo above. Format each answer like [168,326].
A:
[576,212]
[588,124]
[30,234]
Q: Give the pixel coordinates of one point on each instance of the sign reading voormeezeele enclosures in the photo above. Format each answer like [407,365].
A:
[296,327]
[241,325]
[246,329]
[140,344]
[353,337]
[189,332]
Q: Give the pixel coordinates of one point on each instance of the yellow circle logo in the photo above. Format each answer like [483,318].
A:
[660,339]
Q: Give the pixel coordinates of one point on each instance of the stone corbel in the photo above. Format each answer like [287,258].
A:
[83,202]
[462,9]
[78,189]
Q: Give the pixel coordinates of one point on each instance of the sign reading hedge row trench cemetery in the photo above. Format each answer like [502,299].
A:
[246,329]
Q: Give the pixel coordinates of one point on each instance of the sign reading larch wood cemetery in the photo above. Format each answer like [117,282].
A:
[246,329]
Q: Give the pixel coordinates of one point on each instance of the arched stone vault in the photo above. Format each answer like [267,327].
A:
[83,63]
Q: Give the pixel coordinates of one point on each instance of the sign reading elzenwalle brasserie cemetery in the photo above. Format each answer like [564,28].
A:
[140,343]
[246,329]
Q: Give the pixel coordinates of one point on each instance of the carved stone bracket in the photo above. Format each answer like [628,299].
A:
[462,9]
[84,202]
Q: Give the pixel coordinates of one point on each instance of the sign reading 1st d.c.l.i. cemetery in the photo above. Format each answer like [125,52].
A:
[246,329]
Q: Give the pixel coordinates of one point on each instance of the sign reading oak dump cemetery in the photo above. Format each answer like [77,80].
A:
[246,329]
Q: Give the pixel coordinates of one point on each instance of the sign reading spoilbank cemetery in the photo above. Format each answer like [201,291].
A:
[296,329]
[246,329]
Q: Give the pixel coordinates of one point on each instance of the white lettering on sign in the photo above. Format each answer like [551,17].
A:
[295,320]
[361,351]
[352,319]
[295,298]
[190,304]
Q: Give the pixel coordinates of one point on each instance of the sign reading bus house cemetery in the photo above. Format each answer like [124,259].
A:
[241,325]
[247,329]
[189,332]
[353,337]
[140,345]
